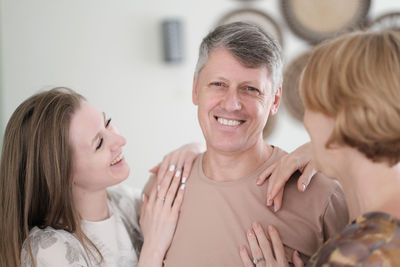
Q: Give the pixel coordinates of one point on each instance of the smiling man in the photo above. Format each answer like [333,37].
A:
[237,85]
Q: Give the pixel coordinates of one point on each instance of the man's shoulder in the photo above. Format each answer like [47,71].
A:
[151,182]
[320,182]
[324,185]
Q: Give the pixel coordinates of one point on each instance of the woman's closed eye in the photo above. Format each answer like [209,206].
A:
[100,143]
[107,123]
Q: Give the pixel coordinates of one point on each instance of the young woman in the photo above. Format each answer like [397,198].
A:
[59,157]
[351,92]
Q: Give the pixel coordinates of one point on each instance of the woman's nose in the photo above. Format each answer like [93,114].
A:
[117,140]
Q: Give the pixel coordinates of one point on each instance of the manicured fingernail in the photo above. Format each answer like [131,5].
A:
[171,168]
[178,174]
[259,182]
[303,187]
[182,186]
[249,233]
[158,187]
[256,225]
[275,208]
[269,202]
[184,179]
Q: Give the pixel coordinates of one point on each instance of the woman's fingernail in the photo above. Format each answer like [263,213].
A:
[242,248]
[269,202]
[256,225]
[270,228]
[249,233]
[259,182]
[303,187]
[171,168]
[178,174]
[182,186]
[184,180]
[275,208]
[297,253]
[158,187]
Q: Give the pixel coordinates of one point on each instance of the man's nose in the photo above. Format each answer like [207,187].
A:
[231,101]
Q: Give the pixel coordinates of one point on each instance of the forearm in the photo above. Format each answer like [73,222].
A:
[150,256]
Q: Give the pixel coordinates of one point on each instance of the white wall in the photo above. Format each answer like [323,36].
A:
[110,51]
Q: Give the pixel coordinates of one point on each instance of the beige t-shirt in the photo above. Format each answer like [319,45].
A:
[215,216]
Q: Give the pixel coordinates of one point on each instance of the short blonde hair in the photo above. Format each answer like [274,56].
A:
[356,80]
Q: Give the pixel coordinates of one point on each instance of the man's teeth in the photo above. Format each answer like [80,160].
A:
[118,159]
[228,122]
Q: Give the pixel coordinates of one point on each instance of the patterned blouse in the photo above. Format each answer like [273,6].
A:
[118,238]
[373,239]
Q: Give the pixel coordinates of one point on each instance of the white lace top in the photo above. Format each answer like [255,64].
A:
[118,238]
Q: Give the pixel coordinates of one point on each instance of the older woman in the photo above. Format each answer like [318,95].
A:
[351,91]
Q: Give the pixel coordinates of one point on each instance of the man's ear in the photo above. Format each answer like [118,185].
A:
[194,92]
[277,101]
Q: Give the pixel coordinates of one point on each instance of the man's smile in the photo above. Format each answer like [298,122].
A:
[228,122]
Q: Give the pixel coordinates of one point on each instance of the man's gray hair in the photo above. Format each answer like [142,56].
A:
[251,45]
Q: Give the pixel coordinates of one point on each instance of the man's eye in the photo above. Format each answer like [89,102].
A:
[252,90]
[100,143]
[218,84]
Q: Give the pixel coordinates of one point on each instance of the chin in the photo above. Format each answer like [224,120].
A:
[121,174]
[227,146]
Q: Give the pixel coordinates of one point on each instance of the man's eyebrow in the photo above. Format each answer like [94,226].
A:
[220,78]
[248,81]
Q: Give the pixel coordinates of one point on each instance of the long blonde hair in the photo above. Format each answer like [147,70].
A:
[35,172]
[355,79]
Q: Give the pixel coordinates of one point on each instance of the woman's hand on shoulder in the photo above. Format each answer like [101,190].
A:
[264,252]
[181,159]
[279,173]
[159,216]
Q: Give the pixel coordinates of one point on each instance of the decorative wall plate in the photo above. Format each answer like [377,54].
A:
[316,20]
[255,17]
[291,83]
[386,21]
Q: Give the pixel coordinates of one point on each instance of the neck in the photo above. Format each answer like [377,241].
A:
[229,166]
[377,187]
[92,206]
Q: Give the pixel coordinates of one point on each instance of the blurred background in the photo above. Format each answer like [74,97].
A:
[134,59]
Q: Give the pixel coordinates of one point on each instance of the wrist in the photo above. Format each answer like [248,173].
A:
[151,253]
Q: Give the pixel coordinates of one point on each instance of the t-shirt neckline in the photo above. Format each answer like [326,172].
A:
[254,174]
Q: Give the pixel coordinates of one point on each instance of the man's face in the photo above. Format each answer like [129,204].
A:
[233,102]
